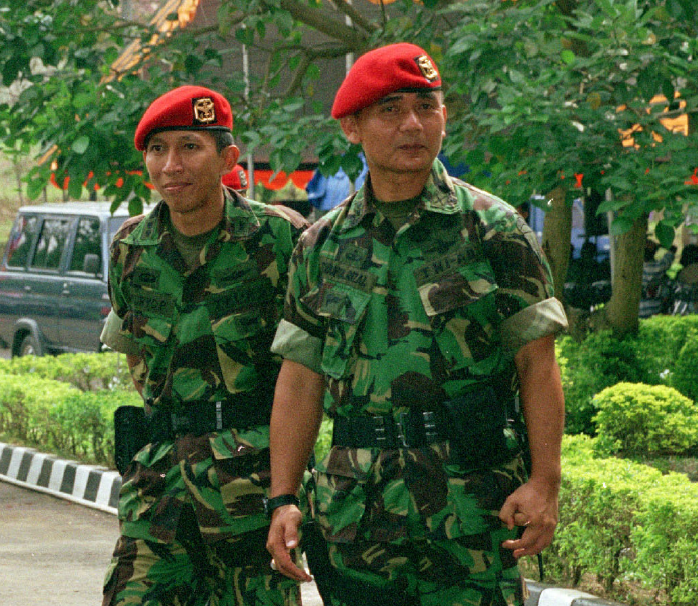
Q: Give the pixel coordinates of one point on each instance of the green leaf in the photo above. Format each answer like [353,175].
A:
[81,144]
[567,57]
[665,234]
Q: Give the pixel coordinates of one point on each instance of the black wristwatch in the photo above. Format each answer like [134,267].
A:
[279,501]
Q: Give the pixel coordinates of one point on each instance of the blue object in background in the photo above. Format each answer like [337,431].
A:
[324,193]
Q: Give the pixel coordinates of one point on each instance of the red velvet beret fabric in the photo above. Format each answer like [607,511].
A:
[186,107]
[236,178]
[381,72]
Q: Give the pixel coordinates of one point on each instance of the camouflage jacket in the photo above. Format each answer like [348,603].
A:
[203,333]
[429,311]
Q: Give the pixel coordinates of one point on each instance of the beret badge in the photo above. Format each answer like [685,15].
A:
[204,110]
[427,68]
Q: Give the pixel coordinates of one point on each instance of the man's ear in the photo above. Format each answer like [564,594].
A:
[351,130]
[445,112]
[230,157]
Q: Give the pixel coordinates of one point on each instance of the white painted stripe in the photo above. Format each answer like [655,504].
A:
[15,462]
[56,479]
[106,482]
[560,597]
[82,472]
[35,468]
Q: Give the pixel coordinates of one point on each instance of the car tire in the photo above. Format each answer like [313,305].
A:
[29,346]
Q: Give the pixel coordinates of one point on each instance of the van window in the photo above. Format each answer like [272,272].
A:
[87,241]
[21,240]
[52,239]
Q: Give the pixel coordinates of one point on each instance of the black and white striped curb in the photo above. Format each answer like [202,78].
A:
[89,485]
[98,488]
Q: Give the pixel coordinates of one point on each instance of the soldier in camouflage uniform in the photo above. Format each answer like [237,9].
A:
[416,312]
[197,288]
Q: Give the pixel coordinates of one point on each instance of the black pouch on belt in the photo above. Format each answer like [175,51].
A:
[477,423]
[130,434]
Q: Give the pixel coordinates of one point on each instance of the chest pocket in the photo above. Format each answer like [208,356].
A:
[460,305]
[344,309]
[152,326]
[242,317]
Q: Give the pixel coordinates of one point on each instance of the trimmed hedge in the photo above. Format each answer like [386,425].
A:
[663,352]
[66,405]
[645,420]
[87,372]
[621,520]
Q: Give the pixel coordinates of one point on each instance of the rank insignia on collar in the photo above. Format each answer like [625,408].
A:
[204,110]
[427,68]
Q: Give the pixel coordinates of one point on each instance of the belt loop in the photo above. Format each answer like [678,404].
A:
[219,416]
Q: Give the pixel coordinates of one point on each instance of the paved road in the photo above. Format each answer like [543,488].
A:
[54,552]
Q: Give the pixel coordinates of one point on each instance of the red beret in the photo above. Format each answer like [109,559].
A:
[236,178]
[383,71]
[185,108]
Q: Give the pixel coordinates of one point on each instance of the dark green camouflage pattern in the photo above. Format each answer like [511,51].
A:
[203,334]
[468,571]
[143,573]
[409,319]
[424,312]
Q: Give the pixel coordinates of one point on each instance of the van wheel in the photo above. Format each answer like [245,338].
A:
[29,347]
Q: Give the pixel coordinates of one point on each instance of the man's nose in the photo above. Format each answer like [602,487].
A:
[172,161]
[411,120]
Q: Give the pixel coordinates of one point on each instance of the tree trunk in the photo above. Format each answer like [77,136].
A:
[621,312]
[557,231]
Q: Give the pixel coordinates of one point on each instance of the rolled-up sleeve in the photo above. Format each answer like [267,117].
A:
[533,322]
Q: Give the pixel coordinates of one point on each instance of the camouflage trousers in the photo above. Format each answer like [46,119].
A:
[466,571]
[190,572]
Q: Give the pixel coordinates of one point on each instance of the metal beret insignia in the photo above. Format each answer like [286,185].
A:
[204,110]
[427,68]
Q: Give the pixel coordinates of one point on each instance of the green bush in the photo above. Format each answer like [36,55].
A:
[665,539]
[598,362]
[663,352]
[684,377]
[86,422]
[26,405]
[637,419]
[624,521]
[87,372]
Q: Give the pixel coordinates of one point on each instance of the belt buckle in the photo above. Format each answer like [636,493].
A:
[379,429]
[430,433]
[402,428]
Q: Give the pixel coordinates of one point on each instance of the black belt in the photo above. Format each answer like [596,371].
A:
[411,429]
[239,411]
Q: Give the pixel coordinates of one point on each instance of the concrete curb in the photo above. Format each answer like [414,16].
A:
[89,485]
[545,595]
[98,487]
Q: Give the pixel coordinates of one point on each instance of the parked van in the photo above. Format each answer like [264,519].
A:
[53,277]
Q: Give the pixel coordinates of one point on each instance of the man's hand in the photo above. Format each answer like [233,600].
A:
[533,506]
[283,537]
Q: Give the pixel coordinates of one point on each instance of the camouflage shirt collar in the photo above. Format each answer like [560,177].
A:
[239,222]
[438,195]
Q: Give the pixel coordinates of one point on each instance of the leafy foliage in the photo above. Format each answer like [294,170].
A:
[534,88]
[637,419]
[648,532]
[659,354]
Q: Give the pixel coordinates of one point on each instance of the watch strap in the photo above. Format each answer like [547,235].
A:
[279,501]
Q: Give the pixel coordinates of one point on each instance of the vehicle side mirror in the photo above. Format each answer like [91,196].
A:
[91,264]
